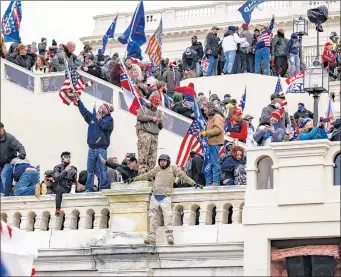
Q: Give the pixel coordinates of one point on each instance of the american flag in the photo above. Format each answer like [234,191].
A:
[68,90]
[279,91]
[330,114]
[243,101]
[154,47]
[204,64]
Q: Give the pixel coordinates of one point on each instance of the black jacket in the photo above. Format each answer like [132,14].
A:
[212,43]
[12,48]
[180,109]
[304,114]
[42,48]
[63,178]
[196,170]
[26,61]
[125,171]
[199,49]
[336,131]
[94,70]
[9,149]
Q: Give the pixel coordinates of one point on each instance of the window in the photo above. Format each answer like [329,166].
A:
[337,167]
[265,173]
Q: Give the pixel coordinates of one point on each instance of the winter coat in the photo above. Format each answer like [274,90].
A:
[315,133]
[266,112]
[42,48]
[249,39]
[40,70]
[278,136]
[62,178]
[303,114]
[278,47]
[145,120]
[230,42]
[237,131]
[293,48]
[199,49]
[169,76]
[328,57]
[57,63]
[9,149]
[180,109]
[196,170]
[94,70]
[215,130]
[99,130]
[26,61]
[229,165]
[189,61]
[336,131]
[212,43]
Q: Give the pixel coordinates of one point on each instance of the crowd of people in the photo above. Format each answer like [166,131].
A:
[237,52]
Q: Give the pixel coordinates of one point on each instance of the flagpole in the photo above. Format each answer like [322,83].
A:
[131,28]
[286,106]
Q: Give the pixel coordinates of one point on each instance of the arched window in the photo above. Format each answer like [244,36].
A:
[227,214]
[337,168]
[265,178]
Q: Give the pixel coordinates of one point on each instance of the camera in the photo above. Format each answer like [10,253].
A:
[324,120]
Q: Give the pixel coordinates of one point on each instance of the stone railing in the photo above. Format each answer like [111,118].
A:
[124,208]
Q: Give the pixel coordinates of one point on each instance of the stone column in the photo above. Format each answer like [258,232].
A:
[129,207]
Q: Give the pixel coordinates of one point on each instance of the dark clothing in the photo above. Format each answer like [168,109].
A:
[266,112]
[42,48]
[172,78]
[189,61]
[12,47]
[212,43]
[19,169]
[196,170]
[62,178]
[180,109]
[197,47]
[59,195]
[303,114]
[99,130]
[9,149]
[281,65]
[125,171]
[229,165]
[94,70]
[336,130]
[26,61]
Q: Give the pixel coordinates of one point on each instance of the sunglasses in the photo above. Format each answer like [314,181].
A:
[49,180]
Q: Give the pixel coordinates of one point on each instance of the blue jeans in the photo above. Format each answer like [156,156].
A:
[294,64]
[91,165]
[198,69]
[6,178]
[27,183]
[262,54]
[211,65]
[229,61]
[214,176]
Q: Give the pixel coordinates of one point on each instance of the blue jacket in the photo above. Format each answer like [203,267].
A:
[229,165]
[99,130]
[316,133]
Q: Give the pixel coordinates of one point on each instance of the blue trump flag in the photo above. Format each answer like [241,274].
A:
[247,9]
[198,117]
[135,36]
[109,34]
[10,24]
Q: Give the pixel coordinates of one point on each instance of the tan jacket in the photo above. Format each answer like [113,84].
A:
[145,120]
[215,130]
[164,179]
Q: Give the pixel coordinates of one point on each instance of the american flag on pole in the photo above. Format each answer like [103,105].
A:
[279,91]
[330,114]
[69,88]
[131,92]
[243,101]
[154,47]
[204,64]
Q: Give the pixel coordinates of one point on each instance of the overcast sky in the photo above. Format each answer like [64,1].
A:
[71,20]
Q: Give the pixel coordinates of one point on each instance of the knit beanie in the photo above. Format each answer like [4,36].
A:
[107,109]
[54,43]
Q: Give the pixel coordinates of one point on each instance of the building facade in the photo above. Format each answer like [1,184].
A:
[181,23]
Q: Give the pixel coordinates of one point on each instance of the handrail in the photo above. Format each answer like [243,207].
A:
[15,66]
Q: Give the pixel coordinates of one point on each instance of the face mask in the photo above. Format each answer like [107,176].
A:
[301,108]
[280,34]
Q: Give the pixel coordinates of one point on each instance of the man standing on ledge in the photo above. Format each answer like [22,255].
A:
[100,128]
[164,175]
[149,124]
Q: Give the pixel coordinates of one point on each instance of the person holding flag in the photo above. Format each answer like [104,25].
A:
[101,125]
[215,138]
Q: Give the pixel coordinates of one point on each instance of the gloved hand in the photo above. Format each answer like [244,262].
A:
[202,134]
[198,186]
[22,156]
[129,180]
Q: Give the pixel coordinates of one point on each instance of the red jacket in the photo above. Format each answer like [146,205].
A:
[242,135]
[328,56]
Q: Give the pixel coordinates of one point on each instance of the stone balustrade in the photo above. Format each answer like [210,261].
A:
[124,208]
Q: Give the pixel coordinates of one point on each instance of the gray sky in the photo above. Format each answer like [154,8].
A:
[70,20]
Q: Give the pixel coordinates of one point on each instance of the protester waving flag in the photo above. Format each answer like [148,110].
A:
[109,34]
[204,64]
[243,101]
[134,35]
[10,25]
[279,91]
[247,8]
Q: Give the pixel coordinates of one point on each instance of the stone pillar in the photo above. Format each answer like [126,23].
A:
[129,207]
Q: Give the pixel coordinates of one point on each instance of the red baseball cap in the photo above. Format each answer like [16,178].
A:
[237,112]
[244,25]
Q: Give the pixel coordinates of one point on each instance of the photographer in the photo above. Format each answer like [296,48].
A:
[308,132]
[90,66]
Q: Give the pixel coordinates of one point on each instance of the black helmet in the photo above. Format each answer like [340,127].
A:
[166,158]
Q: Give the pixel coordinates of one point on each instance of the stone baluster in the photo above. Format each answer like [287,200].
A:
[169,15]
[203,214]
[23,223]
[37,223]
[81,222]
[53,222]
[187,214]
[68,217]
[97,220]
[220,9]
[236,211]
